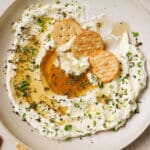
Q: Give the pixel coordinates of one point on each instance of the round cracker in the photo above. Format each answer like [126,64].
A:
[86,43]
[64,30]
[104,65]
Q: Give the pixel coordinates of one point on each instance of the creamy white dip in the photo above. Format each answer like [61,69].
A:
[85,114]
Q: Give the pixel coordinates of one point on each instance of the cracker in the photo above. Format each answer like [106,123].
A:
[20,147]
[64,30]
[104,65]
[86,43]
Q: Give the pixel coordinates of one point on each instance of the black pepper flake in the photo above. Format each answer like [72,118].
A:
[127,75]
[22,28]
[66,4]
[64,14]
[61,119]
[134,76]
[38,119]
[92,142]
[120,96]
[15,112]
[78,117]
[117,106]
[138,44]
[10,61]
[11,50]
[81,137]
[46,88]
[116,94]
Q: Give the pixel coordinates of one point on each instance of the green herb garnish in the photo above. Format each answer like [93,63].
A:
[123,80]
[139,72]
[68,139]
[33,105]
[110,86]
[33,16]
[40,22]
[97,113]
[135,34]
[107,100]
[48,36]
[76,105]
[114,129]
[104,125]
[24,116]
[23,86]
[94,123]
[101,85]
[79,7]
[68,127]
[129,55]
[68,115]
[139,64]
[57,2]
[90,116]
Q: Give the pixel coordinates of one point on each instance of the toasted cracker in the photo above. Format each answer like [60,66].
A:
[104,65]
[64,30]
[20,147]
[86,43]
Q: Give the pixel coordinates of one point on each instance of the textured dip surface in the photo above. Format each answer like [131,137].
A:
[91,106]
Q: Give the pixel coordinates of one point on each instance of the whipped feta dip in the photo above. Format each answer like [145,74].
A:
[104,107]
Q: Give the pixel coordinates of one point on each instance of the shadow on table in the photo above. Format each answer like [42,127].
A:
[136,145]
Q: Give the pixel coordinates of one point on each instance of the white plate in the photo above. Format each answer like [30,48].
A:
[117,10]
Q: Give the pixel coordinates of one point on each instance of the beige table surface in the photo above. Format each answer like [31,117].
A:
[9,143]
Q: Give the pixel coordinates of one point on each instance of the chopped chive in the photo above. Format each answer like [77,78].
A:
[48,36]
[104,125]
[97,113]
[139,64]
[33,16]
[36,66]
[76,105]
[23,86]
[68,127]
[139,72]
[33,105]
[90,116]
[123,80]
[101,85]
[129,55]
[68,139]
[40,22]
[135,34]
[141,84]
[110,86]
[24,116]
[57,2]
[79,7]
[94,123]
[68,115]
[107,100]
[114,129]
